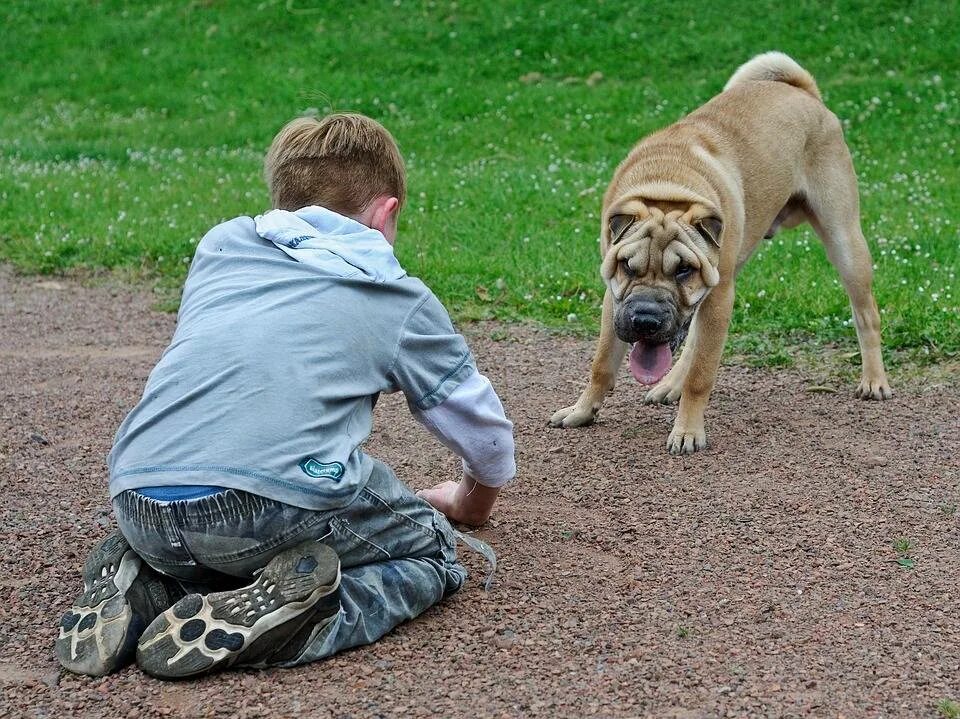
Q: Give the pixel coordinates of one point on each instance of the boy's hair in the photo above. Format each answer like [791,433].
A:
[342,162]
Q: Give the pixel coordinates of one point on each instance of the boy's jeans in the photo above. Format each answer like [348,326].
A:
[397,553]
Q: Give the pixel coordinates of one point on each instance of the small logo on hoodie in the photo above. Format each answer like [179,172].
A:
[317,469]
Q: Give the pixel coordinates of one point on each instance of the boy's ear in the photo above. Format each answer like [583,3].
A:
[392,206]
[382,210]
[381,215]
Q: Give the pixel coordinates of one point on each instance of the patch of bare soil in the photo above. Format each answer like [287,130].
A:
[757,578]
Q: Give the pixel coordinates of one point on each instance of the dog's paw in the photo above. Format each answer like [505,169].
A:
[878,389]
[682,441]
[573,416]
[663,393]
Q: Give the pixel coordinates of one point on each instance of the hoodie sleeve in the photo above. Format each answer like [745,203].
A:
[432,359]
[437,373]
[471,422]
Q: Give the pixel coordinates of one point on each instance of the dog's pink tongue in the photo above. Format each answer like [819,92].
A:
[649,363]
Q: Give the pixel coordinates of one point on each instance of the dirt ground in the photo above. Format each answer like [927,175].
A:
[757,578]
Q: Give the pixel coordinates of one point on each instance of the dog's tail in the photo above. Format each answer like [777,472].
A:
[776,67]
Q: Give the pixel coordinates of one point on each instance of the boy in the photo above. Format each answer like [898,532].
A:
[254,531]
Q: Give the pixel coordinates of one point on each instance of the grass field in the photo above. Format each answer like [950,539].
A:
[130,128]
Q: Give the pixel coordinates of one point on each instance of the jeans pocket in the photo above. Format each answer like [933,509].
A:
[416,515]
[353,548]
[151,532]
[238,528]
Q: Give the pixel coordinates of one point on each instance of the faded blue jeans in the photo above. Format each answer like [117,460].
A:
[397,553]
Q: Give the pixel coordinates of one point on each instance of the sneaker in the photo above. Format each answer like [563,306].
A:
[293,595]
[121,596]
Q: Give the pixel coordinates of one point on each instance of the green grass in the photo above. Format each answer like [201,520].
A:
[130,128]
[949,709]
[903,547]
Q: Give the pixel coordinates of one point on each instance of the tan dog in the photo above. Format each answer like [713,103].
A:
[687,208]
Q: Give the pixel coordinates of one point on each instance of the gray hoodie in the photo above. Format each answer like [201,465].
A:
[289,328]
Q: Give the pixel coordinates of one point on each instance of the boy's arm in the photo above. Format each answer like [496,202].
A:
[436,371]
[471,422]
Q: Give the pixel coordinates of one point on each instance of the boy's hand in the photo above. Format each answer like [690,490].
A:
[466,501]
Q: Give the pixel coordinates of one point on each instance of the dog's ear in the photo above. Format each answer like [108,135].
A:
[618,225]
[710,227]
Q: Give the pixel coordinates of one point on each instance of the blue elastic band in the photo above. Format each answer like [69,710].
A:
[178,494]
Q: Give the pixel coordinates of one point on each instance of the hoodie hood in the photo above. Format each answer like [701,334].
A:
[332,243]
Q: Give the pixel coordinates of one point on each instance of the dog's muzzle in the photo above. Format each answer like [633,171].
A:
[647,317]
[681,335]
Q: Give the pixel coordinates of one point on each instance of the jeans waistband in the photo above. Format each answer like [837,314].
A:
[151,512]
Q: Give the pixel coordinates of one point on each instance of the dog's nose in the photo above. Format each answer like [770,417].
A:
[645,323]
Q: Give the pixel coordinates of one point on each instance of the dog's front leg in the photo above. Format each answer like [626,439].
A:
[603,374]
[709,336]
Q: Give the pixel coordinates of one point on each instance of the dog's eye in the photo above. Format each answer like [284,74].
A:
[683,271]
[627,269]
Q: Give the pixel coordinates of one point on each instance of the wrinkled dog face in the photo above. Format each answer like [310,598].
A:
[659,267]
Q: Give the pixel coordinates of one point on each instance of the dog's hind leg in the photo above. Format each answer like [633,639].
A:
[833,208]
[603,373]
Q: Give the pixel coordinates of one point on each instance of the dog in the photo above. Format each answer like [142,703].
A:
[688,207]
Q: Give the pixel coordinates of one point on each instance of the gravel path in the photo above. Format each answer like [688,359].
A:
[758,578]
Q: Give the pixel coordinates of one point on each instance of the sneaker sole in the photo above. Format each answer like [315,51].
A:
[199,634]
[98,634]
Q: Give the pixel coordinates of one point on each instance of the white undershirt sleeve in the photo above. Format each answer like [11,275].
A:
[471,423]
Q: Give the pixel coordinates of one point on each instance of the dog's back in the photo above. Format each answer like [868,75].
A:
[767,115]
